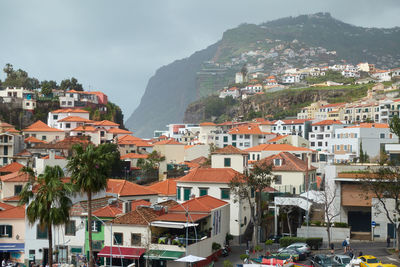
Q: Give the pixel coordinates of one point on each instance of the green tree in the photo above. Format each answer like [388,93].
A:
[48,86]
[47,200]
[89,168]
[249,187]
[395,126]
[363,157]
[71,84]
[152,162]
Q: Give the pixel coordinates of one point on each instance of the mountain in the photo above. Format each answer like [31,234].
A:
[271,47]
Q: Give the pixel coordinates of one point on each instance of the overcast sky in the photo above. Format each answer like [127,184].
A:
[116,46]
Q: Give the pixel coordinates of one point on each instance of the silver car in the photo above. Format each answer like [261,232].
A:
[342,259]
[302,247]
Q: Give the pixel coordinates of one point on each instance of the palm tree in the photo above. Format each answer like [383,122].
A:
[89,168]
[47,200]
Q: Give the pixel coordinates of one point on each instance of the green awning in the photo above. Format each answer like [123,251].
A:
[163,254]
[76,250]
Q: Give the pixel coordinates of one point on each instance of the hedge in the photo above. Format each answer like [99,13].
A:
[313,242]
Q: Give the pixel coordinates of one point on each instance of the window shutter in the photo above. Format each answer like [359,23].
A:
[98,226]
[87,228]
[9,230]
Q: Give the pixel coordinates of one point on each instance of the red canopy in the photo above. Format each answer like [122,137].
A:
[121,252]
[272,261]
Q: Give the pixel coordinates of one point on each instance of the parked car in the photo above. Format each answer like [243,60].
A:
[302,247]
[321,260]
[342,259]
[287,253]
[369,261]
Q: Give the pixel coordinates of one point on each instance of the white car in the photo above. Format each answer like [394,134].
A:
[342,259]
[302,247]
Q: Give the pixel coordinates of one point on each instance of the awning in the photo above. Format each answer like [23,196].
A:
[121,252]
[176,225]
[12,247]
[163,254]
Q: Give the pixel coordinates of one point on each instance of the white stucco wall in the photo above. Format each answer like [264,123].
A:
[238,162]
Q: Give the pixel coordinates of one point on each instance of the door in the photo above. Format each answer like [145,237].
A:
[45,256]
[359,221]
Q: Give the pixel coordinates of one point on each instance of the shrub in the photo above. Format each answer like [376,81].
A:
[340,224]
[317,223]
[244,256]
[227,263]
[258,248]
[269,242]
[228,237]
[215,246]
[314,242]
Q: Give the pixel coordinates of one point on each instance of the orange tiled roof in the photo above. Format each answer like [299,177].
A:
[327,122]
[188,146]
[84,128]
[105,123]
[11,130]
[108,211]
[126,188]
[295,121]
[207,124]
[138,203]
[210,175]
[15,177]
[181,217]
[229,150]
[200,204]
[4,206]
[12,167]
[74,119]
[139,216]
[165,188]
[370,125]
[247,129]
[12,199]
[134,156]
[118,131]
[277,147]
[279,137]
[289,162]
[13,213]
[55,157]
[70,110]
[33,140]
[40,126]
[168,142]
[333,105]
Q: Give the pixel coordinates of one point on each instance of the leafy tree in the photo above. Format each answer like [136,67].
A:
[47,86]
[395,126]
[249,187]
[19,78]
[8,69]
[151,163]
[71,84]
[363,157]
[47,200]
[89,168]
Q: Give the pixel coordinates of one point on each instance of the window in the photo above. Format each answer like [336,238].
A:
[277,162]
[69,103]
[102,134]
[17,189]
[234,144]
[118,238]
[319,143]
[278,179]
[55,117]
[225,139]
[96,226]
[41,231]
[5,153]
[241,136]
[186,193]
[27,104]
[382,135]
[136,239]
[70,228]
[246,144]
[63,103]
[312,143]
[233,137]
[227,162]
[178,193]
[247,136]
[203,191]
[5,231]
[337,147]
[44,137]
[225,192]
[68,125]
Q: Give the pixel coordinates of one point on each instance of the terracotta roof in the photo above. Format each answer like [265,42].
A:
[370,125]
[295,121]
[40,126]
[210,175]
[168,142]
[108,211]
[279,137]
[12,167]
[11,130]
[168,203]
[13,213]
[105,123]
[333,105]
[33,140]
[78,209]
[204,203]
[118,131]
[289,162]
[165,188]
[327,122]
[277,147]
[267,122]
[15,177]
[70,110]
[132,140]
[84,128]
[55,157]
[143,144]
[134,156]
[188,146]
[5,125]
[24,153]
[247,129]
[229,150]
[74,119]
[4,206]
[66,143]
[139,202]
[126,188]
[181,217]
[139,216]
[207,124]
[11,199]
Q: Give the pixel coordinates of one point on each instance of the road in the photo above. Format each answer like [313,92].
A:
[377,249]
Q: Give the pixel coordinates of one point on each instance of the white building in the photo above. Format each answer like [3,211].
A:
[230,157]
[299,127]
[59,114]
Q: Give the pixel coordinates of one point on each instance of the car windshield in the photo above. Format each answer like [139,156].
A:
[327,260]
[345,260]
[372,260]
